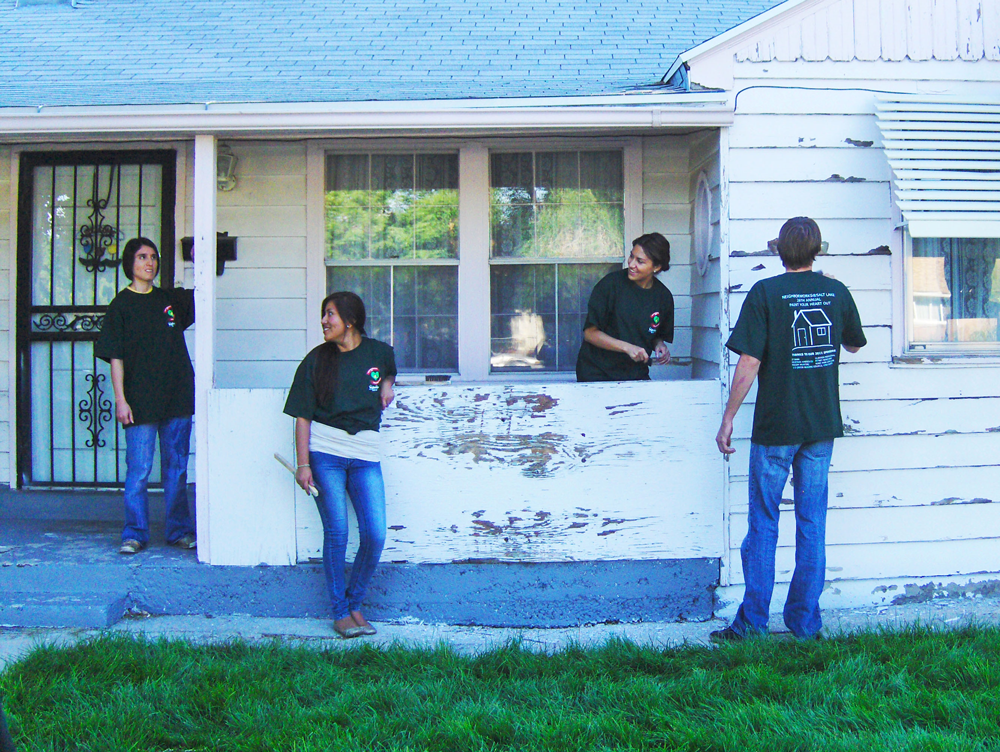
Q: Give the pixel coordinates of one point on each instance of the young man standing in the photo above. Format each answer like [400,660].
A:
[789,335]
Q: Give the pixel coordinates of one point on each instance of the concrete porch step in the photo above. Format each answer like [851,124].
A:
[91,610]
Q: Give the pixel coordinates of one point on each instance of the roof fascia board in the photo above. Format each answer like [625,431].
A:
[676,110]
[736,34]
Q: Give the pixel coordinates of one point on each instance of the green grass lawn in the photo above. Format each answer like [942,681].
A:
[915,690]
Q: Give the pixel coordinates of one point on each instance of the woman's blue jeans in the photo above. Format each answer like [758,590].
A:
[336,478]
[140,445]
[769,466]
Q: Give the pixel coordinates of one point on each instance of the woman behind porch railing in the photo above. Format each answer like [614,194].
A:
[337,398]
[630,317]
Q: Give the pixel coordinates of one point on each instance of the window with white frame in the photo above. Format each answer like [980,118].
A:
[557,225]
[953,294]
[392,237]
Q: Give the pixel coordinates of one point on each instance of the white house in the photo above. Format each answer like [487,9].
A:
[472,171]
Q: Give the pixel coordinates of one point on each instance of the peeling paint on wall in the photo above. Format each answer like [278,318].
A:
[934,591]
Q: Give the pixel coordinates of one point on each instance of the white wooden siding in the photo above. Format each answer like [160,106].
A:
[913,484]
[8,265]
[891,30]
[560,472]
[706,354]
[261,297]
[667,209]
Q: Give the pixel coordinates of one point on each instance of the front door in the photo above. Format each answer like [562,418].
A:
[75,212]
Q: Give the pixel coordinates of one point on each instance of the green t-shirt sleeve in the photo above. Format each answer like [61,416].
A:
[390,361]
[749,336]
[182,301]
[665,331]
[600,307]
[301,400]
[111,342]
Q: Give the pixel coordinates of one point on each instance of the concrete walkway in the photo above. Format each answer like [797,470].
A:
[15,643]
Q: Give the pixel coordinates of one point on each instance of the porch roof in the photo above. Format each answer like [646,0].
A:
[165,52]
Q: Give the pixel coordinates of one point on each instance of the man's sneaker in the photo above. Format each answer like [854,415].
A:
[187,542]
[726,635]
[130,546]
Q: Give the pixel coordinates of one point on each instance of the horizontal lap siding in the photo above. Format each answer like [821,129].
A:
[7,265]
[260,308]
[706,352]
[666,208]
[913,485]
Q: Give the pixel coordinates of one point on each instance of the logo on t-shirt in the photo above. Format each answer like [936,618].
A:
[171,319]
[812,330]
[654,322]
[374,378]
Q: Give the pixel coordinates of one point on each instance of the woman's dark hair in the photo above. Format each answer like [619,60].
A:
[351,310]
[655,246]
[131,248]
[799,242]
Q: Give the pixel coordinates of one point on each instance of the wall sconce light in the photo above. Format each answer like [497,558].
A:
[225,168]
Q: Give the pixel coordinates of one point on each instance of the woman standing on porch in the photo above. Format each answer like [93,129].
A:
[151,374]
[630,317]
[337,398]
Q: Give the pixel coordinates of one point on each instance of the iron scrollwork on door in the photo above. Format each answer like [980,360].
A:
[63,322]
[96,236]
[95,410]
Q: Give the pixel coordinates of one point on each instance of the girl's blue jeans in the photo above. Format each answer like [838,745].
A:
[140,445]
[337,478]
[769,466]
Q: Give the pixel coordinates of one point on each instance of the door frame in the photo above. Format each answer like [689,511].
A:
[167,159]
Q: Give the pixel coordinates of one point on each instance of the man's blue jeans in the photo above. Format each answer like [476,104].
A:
[140,445]
[336,478]
[769,466]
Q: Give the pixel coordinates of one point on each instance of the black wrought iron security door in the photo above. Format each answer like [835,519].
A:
[76,210]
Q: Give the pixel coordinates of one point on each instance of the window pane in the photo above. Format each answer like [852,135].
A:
[557,205]
[955,292]
[602,176]
[371,283]
[538,312]
[413,308]
[436,206]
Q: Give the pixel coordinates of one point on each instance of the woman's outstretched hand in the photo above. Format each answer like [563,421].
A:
[636,353]
[661,354]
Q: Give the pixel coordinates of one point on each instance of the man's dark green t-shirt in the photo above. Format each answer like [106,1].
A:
[146,332]
[795,324]
[356,404]
[625,311]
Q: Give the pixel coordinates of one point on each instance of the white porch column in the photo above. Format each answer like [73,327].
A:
[474,271]
[204,335]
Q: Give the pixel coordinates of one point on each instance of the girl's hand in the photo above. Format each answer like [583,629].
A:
[386,394]
[123,413]
[661,353]
[304,477]
[636,353]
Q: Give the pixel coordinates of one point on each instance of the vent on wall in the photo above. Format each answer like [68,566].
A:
[945,160]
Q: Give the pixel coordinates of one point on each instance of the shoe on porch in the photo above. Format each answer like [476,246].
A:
[187,542]
[130,546]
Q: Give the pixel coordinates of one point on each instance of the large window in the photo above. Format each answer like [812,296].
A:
[392,237]
[954,287]
[557,225]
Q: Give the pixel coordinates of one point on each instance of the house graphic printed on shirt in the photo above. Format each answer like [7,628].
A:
[811,328]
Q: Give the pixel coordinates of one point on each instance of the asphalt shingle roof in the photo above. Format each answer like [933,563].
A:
[111,52]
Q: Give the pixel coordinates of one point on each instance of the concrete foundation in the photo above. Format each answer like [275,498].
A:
[56,571]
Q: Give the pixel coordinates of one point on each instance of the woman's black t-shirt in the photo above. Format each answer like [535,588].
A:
[625,311]
[146,332]
[356,404]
